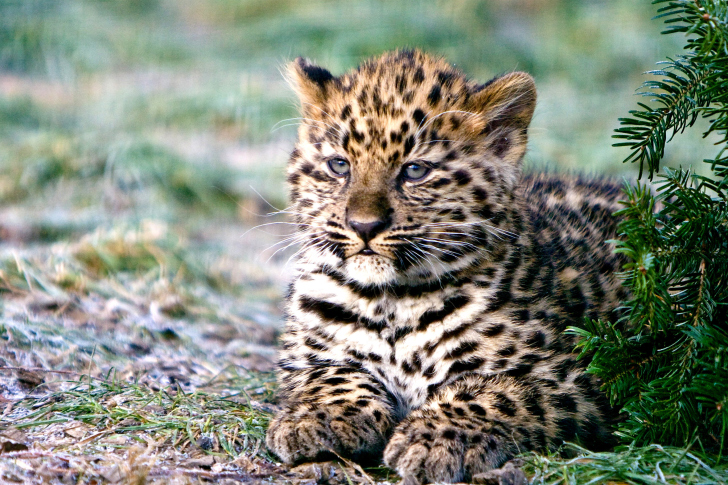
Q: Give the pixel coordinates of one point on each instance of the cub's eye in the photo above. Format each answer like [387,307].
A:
[339,166]
[415,171]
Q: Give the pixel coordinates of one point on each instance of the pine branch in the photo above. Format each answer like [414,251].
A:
[680,97]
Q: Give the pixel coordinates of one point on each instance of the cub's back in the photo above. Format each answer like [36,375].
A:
[571,218]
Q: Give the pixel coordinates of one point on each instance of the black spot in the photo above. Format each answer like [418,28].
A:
[409,143]
[498,217]
[485,212]
[477,409]
[507,351]
[440,182]
[457,215]
[567,428]
[563,369]
[356,355]
[494,331]
[531,358]
[404,127]
[449,306]
[479,194]
[462,349]
[449,434]
[533,405]
[346,112]
[315,375]
[332,381]
[418,115]
[362,98]
[321,416]
[501,146]
[464,396]
[418,76]
[377,415]
[370,388]
[451,155]
[537,340]
[462,177]
[401,83]
[400,333]
[502,297]
[307,168]
[466,365]
[435,95]
[504,404]
[565,402]
[520,370]
[333,312]
[314,344]
[446,78]
[520,316]
[293,178]
[455,332]
[407,368]
[538,439]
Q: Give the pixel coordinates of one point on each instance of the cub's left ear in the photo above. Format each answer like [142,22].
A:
[312,83]
[507,100]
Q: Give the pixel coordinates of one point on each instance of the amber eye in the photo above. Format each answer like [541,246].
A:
[415,171]
[339,166]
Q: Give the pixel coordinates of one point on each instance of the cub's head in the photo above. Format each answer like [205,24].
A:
[404,169]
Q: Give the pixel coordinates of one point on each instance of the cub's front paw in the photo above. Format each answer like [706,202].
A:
[315,434]
[428,449]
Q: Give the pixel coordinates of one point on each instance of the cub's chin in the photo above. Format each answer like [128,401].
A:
[370,270]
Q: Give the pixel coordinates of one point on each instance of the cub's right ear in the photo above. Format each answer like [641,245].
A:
[312,83]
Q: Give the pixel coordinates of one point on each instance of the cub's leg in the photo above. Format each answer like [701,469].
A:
[339,408]
[479,423]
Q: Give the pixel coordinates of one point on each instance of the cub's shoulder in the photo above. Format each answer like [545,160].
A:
[559,187]
[565,206]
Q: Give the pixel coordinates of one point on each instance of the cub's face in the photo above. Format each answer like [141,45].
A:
[404,170]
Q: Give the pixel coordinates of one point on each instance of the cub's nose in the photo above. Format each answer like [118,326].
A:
[368,230]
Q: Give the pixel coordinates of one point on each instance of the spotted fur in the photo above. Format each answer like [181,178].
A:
[427,317]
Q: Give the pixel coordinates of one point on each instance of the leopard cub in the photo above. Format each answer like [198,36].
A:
[426,321]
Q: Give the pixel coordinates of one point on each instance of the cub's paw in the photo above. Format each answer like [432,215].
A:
[428,449]
[320,434]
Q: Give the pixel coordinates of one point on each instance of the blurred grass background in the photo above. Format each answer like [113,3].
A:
[166,108]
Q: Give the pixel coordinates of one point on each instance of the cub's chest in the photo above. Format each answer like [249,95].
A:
[411,343]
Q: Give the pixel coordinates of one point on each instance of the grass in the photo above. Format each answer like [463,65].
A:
[229,424]
[139,144]
[629,465]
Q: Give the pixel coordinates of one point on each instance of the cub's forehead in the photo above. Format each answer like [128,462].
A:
[393,83]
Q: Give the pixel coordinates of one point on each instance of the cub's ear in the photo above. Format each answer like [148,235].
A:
[507,100]
[312,83]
